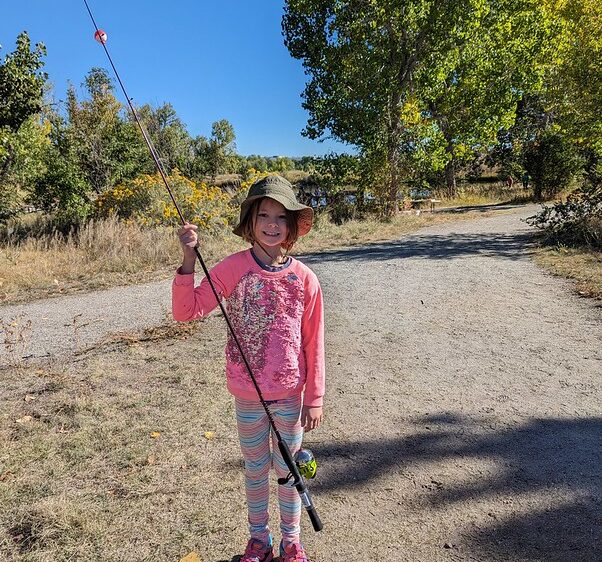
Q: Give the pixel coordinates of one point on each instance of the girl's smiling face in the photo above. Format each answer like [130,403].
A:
[271,226]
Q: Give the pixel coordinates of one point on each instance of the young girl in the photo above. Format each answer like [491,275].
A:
[275,306]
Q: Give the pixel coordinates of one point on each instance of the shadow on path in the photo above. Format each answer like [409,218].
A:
[436,246]
[482,208]
[559,458]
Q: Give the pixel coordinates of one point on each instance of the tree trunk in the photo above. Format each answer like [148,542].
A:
[391,206]
[450,178]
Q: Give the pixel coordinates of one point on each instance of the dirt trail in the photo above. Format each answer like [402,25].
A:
[464,402]
[463,416]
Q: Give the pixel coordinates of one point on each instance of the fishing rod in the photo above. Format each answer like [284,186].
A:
[304,463]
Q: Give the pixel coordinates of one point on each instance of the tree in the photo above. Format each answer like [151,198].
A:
[21,97]
[533,119]
[254,161]
[108,148]
[216,155]
[62,188]
[21,83]
[368,59]
[574,83]
[501,59]
[169,136]
[281,164]
[552,163]
[28,148]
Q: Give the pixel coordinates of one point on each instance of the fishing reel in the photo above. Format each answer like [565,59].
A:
[306,463]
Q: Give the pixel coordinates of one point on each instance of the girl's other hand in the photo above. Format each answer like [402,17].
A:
[188,237]
[311,417]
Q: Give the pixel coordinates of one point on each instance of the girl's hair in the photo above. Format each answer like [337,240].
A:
[248,225]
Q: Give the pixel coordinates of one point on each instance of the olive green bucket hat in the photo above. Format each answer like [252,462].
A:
[278,189]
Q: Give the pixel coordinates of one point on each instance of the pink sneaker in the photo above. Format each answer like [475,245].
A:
[293,552]
[257,551]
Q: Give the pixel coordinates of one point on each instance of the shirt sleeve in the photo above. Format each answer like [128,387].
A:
[312,334]
[189,302]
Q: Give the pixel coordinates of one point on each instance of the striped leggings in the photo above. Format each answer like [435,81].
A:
[254,433]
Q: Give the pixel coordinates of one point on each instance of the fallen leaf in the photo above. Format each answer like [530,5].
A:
[155,434]
[209,435]
[24,419]
[29,398]
[151,459]
[192,557]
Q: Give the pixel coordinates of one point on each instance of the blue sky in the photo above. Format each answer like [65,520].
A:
[210,60]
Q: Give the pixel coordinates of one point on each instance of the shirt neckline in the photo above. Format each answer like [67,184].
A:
[270,268]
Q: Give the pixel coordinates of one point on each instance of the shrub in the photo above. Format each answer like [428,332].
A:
[576,221]
[146,201]
[552,163]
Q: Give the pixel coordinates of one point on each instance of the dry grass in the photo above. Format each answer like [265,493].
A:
[108,253]
[84,476]
[584,266]
[103,253]
[488,193]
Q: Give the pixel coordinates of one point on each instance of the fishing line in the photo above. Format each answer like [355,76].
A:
[297,479]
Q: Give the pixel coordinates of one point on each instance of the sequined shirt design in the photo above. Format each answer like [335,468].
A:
[266,314]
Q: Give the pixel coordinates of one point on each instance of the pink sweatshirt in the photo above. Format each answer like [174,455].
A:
[278,319]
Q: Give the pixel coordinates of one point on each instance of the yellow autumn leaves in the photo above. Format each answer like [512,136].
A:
[146,201]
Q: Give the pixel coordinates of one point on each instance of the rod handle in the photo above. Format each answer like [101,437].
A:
[315,520]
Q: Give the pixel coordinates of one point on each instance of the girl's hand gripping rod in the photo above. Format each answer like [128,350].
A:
[298,480]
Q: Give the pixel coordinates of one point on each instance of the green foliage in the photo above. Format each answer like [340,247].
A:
[552,163]
[107,148]
[216,155]
[337,175]
[378,70]
[277,164]
[21,83]
[337,172]
[21,138]
[255,162]
[574,82]
[576,221]
[27,148]
[532,120]
[60,189]
[11,201]
[169,137]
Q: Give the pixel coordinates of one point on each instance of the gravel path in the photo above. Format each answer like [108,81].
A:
[463,403]
[463,407]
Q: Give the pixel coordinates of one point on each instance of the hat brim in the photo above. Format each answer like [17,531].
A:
[305,214]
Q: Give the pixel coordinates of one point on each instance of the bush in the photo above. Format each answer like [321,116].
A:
[146,201]
[576,221]
[552,163]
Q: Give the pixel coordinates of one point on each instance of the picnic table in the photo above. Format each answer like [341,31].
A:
[430,200]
